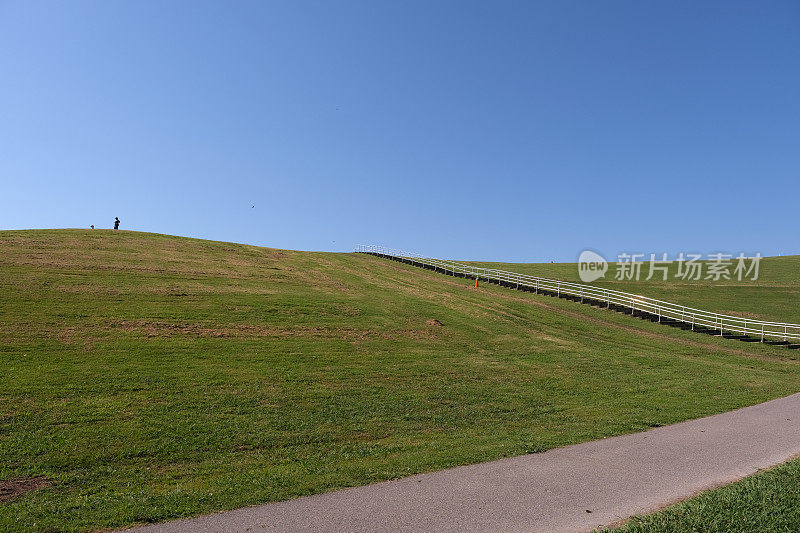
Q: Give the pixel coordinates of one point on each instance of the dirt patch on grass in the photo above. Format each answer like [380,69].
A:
[12,489]
[743,314]
[164,329]
[434,322]
[71,335]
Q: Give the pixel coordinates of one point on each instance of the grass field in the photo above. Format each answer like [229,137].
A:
[150,377]
[768,502]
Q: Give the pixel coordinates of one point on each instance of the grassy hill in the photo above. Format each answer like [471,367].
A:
[150,377]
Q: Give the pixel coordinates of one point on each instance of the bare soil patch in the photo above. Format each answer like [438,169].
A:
[743,314]
[163,329]
[11,489]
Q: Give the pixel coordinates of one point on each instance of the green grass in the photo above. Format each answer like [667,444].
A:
[772,297]
[154,377]
[766,502]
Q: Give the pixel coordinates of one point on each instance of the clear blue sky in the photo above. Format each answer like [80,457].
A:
[491,130]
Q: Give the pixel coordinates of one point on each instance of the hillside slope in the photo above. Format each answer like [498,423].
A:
[150,377]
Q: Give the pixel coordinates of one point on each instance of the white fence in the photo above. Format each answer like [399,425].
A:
[723,325]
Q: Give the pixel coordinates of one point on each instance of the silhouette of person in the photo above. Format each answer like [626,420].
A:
[92,226]
[116,222]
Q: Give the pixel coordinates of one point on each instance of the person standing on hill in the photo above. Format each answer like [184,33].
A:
[116,222]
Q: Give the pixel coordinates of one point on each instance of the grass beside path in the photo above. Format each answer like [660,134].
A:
[766,502]
[151,377]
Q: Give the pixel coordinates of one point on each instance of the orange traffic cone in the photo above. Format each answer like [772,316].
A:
[476,281]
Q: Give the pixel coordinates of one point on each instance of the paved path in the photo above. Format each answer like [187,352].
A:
[576,488]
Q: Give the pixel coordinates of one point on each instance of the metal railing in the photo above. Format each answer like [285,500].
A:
[723,325]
